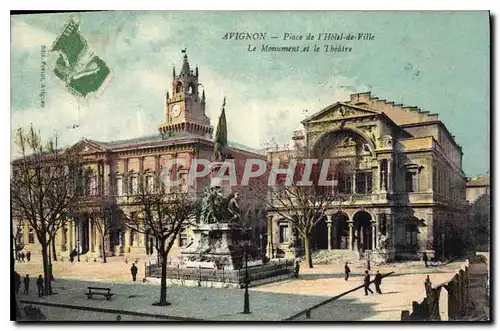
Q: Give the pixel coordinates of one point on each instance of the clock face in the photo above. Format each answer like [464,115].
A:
[176,110]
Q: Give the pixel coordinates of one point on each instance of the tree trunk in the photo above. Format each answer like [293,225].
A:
[47,288]
[103,250]
[307,251]
[53,244]
[163,286]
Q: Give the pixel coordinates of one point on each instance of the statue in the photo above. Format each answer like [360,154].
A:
[215,208]
[382,241]
[233,208]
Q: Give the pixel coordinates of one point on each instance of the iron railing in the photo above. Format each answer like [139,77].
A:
[271,269]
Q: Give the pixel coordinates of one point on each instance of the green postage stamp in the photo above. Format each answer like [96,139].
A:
[81,70]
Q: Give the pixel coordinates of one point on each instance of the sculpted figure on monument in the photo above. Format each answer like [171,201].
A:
[234,208]
[218,209]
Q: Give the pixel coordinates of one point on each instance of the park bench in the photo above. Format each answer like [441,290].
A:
[106,292]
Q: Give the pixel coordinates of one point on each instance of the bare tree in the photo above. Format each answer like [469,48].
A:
[43,189]
[304,198]
[163,212]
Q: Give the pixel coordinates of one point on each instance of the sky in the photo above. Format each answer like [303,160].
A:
[438,61]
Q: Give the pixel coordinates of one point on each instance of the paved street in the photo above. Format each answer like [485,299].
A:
[268,302]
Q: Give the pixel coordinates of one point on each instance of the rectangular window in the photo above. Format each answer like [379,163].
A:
[411,235]
[119,186]
[183,239]
[345,184]
[364,181]
[31,236]
[411,181]
[283,233]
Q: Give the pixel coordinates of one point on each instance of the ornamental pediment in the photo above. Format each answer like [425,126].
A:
[86,146]
[339,111]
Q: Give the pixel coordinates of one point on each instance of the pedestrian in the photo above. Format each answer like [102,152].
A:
[378,281]
[425,259]
[133,270]
[39,285]
[18,256]
[17,281]
[367,283]
[347,271]
[26,284]
[297,269]
[22,257]
[28,256]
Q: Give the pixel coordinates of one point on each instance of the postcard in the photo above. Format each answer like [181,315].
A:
[250,166]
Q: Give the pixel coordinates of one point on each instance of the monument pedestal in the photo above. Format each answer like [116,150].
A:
[222,244]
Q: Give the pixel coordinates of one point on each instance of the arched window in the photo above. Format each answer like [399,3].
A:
[178,87]
[134,184]
[148,182]
[191,89]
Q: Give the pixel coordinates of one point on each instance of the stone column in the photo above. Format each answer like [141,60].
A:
[98,237]
[126,241]
[351,235]
[108,179]
[354,183]
[376,186]
[329,226]
[90,239]
[270,246]
[374,238]
[389,175]
[75,234]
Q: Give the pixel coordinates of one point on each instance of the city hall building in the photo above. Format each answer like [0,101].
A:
[406,182]
[114,168]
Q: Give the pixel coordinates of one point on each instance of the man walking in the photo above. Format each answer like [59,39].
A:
[347,271]
[28,256]
[39,285]
[133,270]
[378,281]
[297,269]
[367,283]
[26,282]
[425,259]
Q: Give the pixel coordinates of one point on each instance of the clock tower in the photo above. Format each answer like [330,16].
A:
[184,110]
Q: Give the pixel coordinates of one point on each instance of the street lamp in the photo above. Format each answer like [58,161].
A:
[246,303]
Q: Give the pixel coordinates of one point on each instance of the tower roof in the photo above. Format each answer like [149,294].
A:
[185,64]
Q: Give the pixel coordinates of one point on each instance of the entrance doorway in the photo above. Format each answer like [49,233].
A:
[340,235]
[363,231]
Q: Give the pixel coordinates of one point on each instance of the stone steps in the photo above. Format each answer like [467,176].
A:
[335,256]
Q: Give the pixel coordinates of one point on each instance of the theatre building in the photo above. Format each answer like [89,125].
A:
[114,167]
[405,185]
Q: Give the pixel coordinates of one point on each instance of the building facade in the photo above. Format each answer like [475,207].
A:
[114,168]
[406,182]
[477,187]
